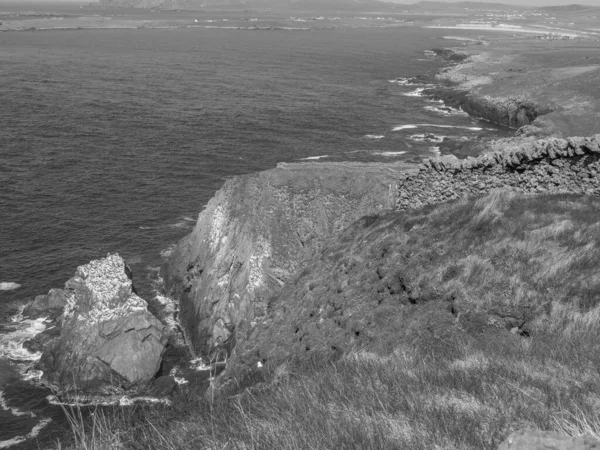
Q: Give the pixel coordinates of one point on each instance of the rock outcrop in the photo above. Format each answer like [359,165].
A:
[547,440]
[529,166]
[256,232]
[108,340]
[432,280]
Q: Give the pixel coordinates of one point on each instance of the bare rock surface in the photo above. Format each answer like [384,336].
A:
[547,440]
[256,232]
[108,340]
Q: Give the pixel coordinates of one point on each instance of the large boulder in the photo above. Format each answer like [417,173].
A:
[108,340]
[547,440]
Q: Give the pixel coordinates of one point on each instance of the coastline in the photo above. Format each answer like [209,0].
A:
[224,272]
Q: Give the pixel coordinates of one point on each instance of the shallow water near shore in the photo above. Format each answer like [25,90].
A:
[112,141]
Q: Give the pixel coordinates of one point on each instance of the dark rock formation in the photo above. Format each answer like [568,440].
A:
[547,440]
[512,111]
[529,166]
[256,232]
[108,340]
[52,303]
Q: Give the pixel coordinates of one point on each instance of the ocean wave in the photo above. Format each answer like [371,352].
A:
[404,127]
[390,153]
[402,81]
[446,110]
[427,137]
[9,286]
[31,435]
[110,401]
[416,93]
[459,127]
[434,125]
[11,344]
[374,136]
[14,411]
[17,412]
[313,158]
[165,253]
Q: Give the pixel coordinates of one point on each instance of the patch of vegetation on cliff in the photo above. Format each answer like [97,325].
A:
[445,327]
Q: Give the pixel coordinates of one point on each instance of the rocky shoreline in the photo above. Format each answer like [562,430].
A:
[256,243]
[260,229]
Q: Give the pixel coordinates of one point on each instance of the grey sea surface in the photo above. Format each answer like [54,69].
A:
[113,140]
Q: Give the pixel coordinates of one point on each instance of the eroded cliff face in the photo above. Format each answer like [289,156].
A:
[256,232]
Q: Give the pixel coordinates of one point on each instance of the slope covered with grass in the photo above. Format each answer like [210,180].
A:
[444,327]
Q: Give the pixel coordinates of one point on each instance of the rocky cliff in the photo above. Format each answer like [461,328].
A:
[105,340]
[261,229]
[256,232]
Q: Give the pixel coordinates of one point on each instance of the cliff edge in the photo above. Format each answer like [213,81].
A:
[256,232]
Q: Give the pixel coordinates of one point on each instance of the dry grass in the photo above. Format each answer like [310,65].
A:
[535,256]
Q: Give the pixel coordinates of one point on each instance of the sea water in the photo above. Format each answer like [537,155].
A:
[113,140]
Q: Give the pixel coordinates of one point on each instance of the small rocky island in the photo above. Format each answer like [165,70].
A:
[102,340]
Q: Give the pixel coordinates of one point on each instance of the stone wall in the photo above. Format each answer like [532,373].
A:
[533,167]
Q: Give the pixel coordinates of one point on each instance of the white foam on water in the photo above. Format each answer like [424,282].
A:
[428,137]
[404,127]
[14,411]
[452,126]
[389,153]
[32,434]
[11,344]
[433,125]
[29,374]
[165,253]
[446,110]
[402,81]
[313,158]
[113,401]
[416,93]
[9,286]
[181,224]
[374,136]
[435,150]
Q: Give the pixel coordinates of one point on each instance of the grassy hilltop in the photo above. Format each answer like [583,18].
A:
[444,327]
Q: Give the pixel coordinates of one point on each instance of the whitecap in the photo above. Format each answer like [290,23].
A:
[416,93]
[435,150]
[313,158]
[9,286]
[31,435]
[112,401]
[11,344]
[182,224]
[446,110]
[460,127]
[427,137]
[165,253]
[401,81]
[374,136]
[389,153]
[404,127]
[451,126]
[13,410]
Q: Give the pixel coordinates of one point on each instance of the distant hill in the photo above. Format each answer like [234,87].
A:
[443,6]
[575,8]
[196,4]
